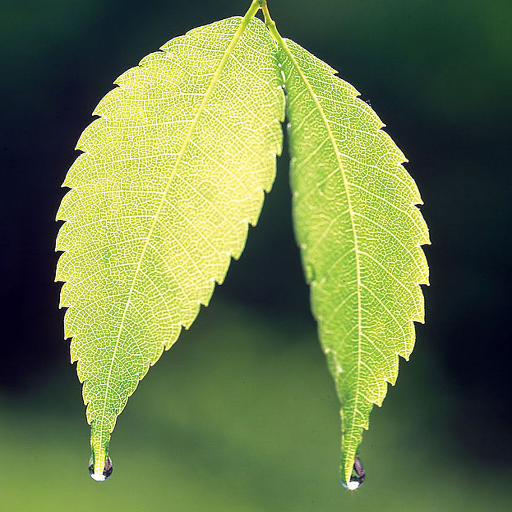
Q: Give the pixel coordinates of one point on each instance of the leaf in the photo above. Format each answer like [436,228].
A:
[360,234]
[171,175]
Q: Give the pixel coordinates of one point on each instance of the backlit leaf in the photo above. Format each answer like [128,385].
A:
[360,235]
[171,175]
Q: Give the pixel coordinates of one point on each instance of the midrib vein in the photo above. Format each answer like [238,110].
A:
[350,208]
[179,158]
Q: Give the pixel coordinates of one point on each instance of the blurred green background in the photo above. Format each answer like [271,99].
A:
[241,414]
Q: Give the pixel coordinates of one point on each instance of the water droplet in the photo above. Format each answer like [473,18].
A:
[309,272]
[107,470]
[357,476]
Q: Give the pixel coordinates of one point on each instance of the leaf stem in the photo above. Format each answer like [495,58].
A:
[253,9]
[271,25]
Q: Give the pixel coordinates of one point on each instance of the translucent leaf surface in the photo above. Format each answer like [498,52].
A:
[171,175]
[360,234]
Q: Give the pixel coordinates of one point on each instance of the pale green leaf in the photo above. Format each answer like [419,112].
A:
[171,175]
[360,234]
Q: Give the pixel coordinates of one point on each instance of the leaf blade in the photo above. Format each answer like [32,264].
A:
[172,174]
[348,187]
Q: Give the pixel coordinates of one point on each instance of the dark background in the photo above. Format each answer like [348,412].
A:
[439,74]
